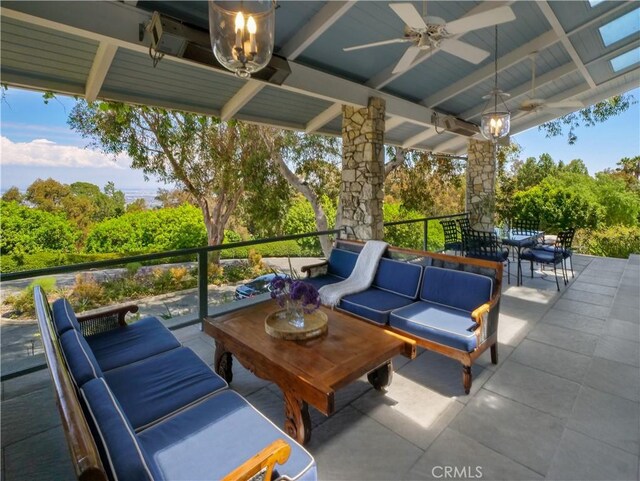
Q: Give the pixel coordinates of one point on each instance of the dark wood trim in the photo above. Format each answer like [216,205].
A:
[120,312]
[84,452]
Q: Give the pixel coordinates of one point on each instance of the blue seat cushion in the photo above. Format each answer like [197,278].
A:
[322,280]
[444,325]
[341,263]
[373,304]
[398,277]
[125,456]
[539,255]
[63,316]
[211,438]
[458,289]
[124,345]
[155,387]
[79,357]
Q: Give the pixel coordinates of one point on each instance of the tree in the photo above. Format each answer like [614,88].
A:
[205,156]
[590,116]
[290,150]
[629,167]
[424,182]
[48,195]
[174,197]
[13,195]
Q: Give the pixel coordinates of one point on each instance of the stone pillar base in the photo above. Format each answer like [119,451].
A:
[481,178]
[363,170]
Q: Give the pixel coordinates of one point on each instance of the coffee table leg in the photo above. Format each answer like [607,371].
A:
[382,376]
[297,422]
[223,363]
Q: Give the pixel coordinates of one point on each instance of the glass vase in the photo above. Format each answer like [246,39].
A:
[295,313]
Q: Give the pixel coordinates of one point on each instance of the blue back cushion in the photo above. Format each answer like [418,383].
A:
[398,277]
[459,289]
[63,316]
[124,455]
[79,356]
[341,263]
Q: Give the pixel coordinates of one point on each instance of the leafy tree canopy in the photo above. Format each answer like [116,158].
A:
[588,117]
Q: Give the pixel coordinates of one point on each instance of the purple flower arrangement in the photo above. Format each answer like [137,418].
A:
[286,291]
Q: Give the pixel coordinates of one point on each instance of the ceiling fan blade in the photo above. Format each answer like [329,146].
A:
[481,20]
[407,59]
[377,44]
[463,50]
[565,104]
[409,15]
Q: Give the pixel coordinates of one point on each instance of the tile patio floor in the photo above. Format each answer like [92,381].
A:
[562,404]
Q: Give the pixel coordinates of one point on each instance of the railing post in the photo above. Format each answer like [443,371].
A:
[426,234]
[203,284]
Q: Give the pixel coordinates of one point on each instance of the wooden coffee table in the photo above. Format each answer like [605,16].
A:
[308,372]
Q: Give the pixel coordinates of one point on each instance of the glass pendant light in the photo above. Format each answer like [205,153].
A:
[496,119]
[242,39]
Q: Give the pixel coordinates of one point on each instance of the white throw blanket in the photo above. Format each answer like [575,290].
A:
[361,277]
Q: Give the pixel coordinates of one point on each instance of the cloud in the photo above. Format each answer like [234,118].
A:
[43,152]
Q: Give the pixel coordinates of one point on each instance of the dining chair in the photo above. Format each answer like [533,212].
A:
[551,256]
[485,245]
[452,238]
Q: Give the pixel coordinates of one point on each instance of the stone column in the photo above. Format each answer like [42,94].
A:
[481,179]
[363,170]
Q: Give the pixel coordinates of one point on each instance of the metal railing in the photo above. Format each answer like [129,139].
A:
[202,254]
[425,224]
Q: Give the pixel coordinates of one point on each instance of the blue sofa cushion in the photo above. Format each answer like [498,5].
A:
[63,316]
[322,280]
[124,345]
[434,322]
[79,357]
[155,387]
[398,277]
[211,438]
[373,304]
[458,289]
[124,454]
[341,263]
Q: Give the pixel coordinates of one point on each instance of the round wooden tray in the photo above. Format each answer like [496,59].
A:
[277,325]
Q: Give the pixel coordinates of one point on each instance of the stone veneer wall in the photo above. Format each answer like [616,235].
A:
[363,170]
[481,179]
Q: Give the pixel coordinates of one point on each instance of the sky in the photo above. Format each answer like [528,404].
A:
[36,142]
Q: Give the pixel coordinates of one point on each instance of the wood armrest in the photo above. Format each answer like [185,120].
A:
[308,268]
[120,312]
[484,309]
[277,452]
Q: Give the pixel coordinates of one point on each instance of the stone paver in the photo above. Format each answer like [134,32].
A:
[563,402]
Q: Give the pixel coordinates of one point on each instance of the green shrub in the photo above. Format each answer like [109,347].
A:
[617,241]
[289,248]
[150,231]
[27,230]
[41,260]
[23,303]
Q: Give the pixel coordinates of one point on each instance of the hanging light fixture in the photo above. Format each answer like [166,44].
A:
[242,39]
[496,119]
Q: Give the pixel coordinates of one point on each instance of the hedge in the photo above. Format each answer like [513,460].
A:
[617,241]
[41,260]
[288,248]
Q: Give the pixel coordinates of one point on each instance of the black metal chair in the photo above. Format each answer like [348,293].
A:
[464,224]
[567,251]
[485,245]
[551,256]
[452,238]
[525,226]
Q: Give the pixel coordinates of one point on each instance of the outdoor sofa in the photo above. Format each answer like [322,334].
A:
[136,405]
[447,304]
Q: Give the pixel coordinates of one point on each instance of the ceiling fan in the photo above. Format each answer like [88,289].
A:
[433,32]
[533,104]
